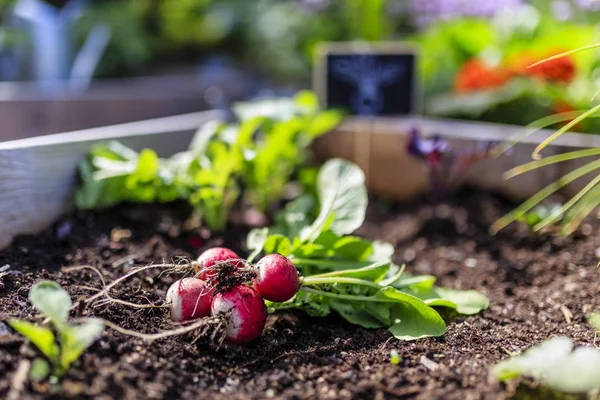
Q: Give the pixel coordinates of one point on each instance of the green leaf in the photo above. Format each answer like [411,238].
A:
[356,316]
[324,122]
[147,167]
[343,198]
[41,337]
[594,321]
[94,193]
[307,99]
[412,319]
[203,136]
[278,244]
[557,365]
[295,216]
[314,305]
[52,300]
[113,150]
[418,283]
[76,338]
[40,369]
[468,302]
[255,241]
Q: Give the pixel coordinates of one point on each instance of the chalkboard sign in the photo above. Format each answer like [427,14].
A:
[368,79]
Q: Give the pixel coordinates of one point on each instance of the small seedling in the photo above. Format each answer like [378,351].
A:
[62,350]
[395,357]
[556,364]
[541,216]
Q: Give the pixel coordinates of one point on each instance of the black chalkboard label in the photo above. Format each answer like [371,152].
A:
[368,79]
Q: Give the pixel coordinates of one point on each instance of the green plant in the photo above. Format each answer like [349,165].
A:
[353,276]
[259,154]
[287,128]
[556,365]
[60,351]
[539,214]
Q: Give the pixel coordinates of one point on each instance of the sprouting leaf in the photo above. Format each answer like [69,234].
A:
[395,357]
[594,321]
[52,300]
[343,197]
[41,337]
[147,167]
[76,338]
[557,365]
[40,369]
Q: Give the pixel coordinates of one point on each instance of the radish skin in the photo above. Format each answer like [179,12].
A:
[277,279]
[190,298]
[211,257]
[248,313]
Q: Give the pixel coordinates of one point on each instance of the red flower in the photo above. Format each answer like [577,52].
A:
[560,70]
[476,75]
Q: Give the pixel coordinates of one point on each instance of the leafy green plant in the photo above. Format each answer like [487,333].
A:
[258,154]
[556,365]
[283,130]
[62,345]
[352,276]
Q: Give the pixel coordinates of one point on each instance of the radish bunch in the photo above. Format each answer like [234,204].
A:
[217,291]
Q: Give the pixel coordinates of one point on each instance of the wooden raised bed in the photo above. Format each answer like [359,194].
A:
[379,147]
[38,175]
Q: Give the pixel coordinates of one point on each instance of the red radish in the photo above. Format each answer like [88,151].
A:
[248,313]
[213,256]
[277,278]
[190,299]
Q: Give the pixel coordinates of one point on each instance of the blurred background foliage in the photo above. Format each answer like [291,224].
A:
[474,52]
[278,37]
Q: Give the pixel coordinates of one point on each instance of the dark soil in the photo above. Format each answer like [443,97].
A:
[538,287]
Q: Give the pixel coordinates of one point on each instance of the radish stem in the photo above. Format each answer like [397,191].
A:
[317,280]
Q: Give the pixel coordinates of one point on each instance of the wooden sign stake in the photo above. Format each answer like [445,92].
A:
[363,135]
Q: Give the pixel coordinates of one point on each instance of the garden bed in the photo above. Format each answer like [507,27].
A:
[538,287]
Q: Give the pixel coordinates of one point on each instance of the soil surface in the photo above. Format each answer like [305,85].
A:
[538,287]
